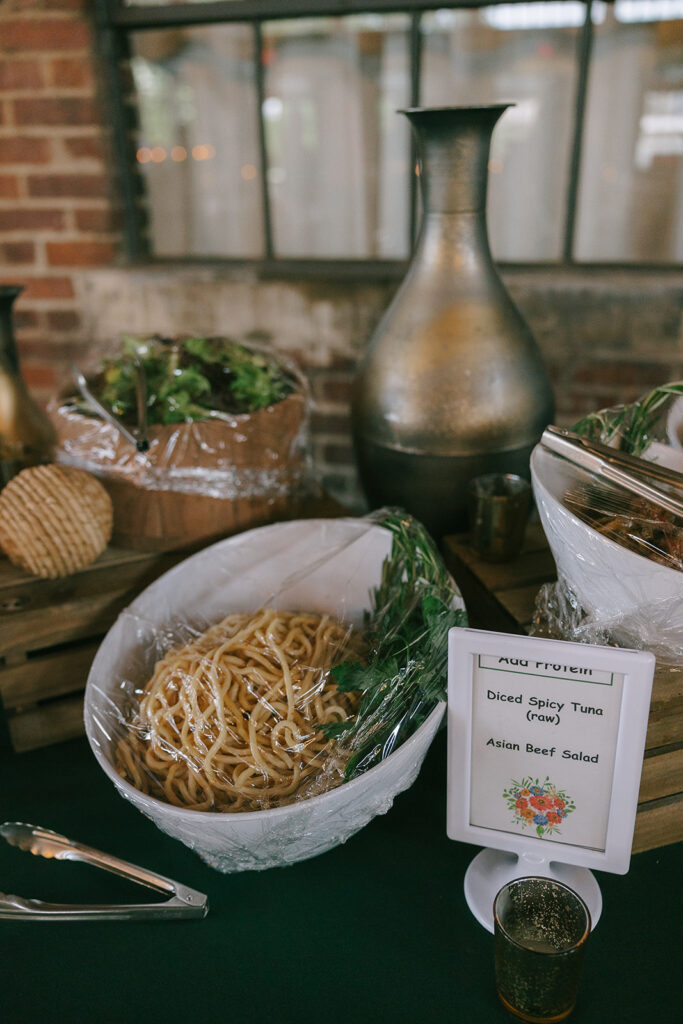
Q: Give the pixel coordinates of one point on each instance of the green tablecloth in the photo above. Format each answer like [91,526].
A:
[376,930]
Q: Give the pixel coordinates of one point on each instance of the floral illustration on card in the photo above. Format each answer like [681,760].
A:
[538,805]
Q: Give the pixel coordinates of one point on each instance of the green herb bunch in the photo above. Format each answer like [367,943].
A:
[405,675]
[192,379]
[631,428]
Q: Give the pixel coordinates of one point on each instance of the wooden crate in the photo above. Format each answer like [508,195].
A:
[502,597]
[50,631]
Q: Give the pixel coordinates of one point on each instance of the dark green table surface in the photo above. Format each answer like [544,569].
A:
[376,930]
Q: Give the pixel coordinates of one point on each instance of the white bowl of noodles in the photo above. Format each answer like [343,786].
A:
[320,566]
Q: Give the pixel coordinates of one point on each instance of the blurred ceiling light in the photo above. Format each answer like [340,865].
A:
[158,154]
[144,155]
[202,152]
[248,172]
[629,11]
[522,112]
[445,18]
[662,124]
[272,108]
[557,14]
[145,75]
[371,22]
[178,153]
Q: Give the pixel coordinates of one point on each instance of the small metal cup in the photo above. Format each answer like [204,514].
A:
[499,505]
[540,927]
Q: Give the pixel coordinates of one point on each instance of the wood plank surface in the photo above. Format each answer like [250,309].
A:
[54,674]
[55,722]
[29,607]
[659,823]
[501,596]
[63,623]
[662,773]
[520,602]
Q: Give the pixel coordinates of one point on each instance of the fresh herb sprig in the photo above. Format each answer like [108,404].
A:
[633,427]
[406,673]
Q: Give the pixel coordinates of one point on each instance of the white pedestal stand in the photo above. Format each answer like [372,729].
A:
[491,869]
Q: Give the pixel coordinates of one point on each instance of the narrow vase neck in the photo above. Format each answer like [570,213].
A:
[453,150]
[453,243]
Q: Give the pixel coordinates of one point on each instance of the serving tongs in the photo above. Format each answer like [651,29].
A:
[141,443]
[182,903]
[637,476]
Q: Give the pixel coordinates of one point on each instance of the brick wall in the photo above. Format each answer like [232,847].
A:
[57,203]
[606,337]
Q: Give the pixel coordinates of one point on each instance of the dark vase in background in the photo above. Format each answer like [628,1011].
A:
[27,437]
[452,385]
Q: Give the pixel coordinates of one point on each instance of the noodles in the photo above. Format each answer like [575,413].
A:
[633,523]
[229,721]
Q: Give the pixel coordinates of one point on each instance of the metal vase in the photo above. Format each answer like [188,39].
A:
[27,436]
[452,385]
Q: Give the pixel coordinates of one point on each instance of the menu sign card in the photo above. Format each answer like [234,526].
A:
[546,743]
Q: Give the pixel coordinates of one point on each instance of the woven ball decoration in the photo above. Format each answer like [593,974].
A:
[54,520]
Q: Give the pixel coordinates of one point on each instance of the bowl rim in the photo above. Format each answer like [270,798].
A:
[139,798]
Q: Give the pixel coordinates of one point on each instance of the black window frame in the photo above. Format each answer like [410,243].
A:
[115,21]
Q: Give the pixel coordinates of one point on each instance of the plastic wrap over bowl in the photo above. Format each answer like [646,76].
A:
[317,565]
[632,597]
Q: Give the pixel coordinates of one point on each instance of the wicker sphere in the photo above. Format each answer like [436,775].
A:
[54,520]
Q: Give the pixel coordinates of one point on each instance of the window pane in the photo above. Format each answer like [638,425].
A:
[338,153]
[631,185]
[526,53]
[198,146]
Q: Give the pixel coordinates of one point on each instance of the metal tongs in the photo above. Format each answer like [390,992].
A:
[619,468]
[141,442]
[183,902]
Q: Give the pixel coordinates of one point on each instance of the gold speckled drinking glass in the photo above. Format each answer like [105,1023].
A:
[499,506]
[540,927]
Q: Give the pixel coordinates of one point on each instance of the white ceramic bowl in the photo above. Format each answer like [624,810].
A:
[627,593]
[318,565]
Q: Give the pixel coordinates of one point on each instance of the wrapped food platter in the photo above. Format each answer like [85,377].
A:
[214,732]
[614,531]
[221,432]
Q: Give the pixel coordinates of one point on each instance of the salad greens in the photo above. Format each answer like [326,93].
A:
[405,675]
[191,379]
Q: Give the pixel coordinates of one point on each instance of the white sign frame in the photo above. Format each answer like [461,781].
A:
[637,668]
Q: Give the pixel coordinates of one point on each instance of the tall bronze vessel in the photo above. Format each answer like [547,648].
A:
[452,385]
[26,435]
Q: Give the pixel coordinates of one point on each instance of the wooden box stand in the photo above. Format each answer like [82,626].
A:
[49,633]
[502,597]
